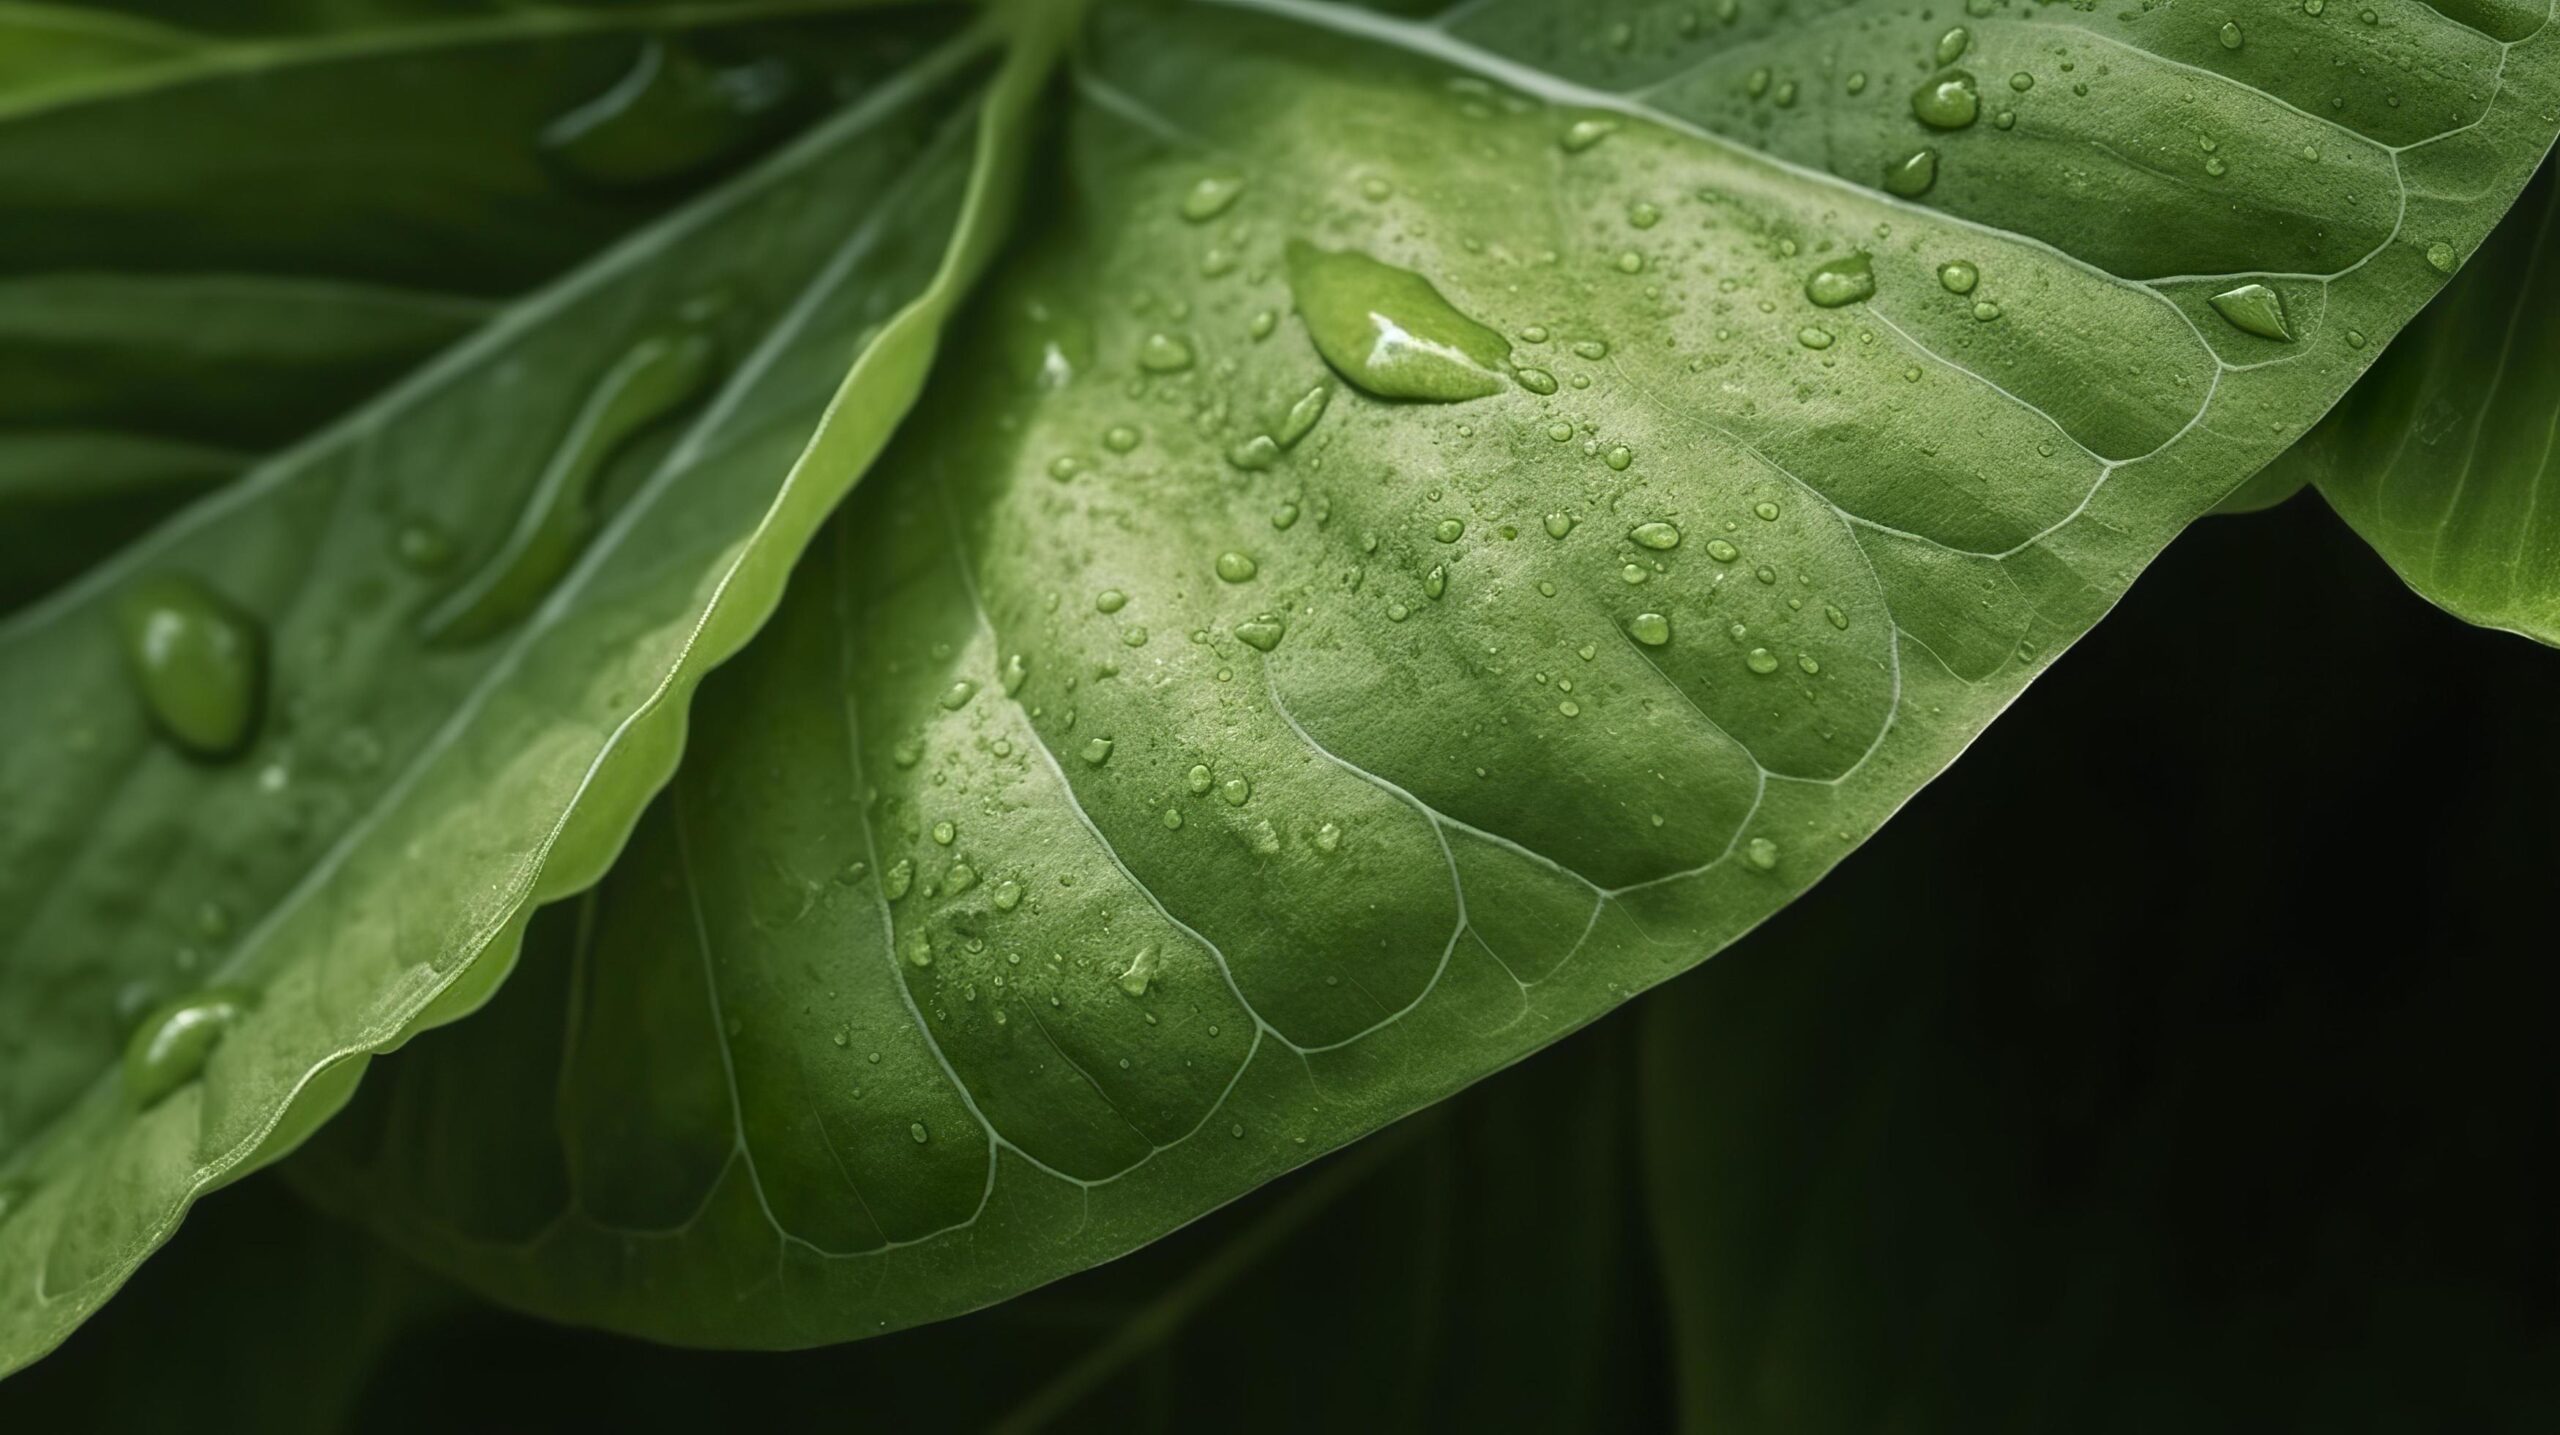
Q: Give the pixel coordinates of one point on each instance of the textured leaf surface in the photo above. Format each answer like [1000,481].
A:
[363,867]
[2446,456]
[1143,790]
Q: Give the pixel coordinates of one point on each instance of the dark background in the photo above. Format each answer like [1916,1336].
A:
[2180,1060]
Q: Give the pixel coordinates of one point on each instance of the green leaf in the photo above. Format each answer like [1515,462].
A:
[1429,1216]
[193,275]
[2444,456]
[238,930]
[1180,762]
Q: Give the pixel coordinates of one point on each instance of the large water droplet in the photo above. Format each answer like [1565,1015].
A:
[199,661]
[173,1042]
[1845,280]
[1164,354]
[1761,853]
[1651,629]
[671,115]
[1911,175]
[1959,276]
[1947,102]
[1389,331]
[1141,969]
[1210,196]
[1657,535]
[1263,633]
[2254,309]
[1302,416]
[1234,567]
[1951,45]
[652,379]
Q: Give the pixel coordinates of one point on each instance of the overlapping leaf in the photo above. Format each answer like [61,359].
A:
[364,866]
[2446,457]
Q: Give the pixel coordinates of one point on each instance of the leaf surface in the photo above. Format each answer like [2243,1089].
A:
[411,787]
[2446,456]
[1250,704]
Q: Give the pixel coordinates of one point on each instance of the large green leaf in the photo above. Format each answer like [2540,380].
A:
[2446,456]
[443,745]
[1181,761]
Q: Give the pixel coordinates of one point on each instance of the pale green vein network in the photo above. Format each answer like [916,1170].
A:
[971,529]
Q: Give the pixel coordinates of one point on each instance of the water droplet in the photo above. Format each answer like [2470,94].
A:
[2440,255]
[1098,751]
[1559,524]
[1008,895]
[2254,309]
[1948,101]
[2022,82]
[2231,37]
[956,696]
[1582,134]
[1537,381]
[1959,276]
[170,1046]
[1760,852]
[1813,338]
[1985,310]
[1255,454]
[422,547]
[1120,438]
[1141,969]
[1911,175]
[1198,779]
[1807,662]
[1651,629]
[900,876]
[1657,535]
[1765,511]
[1110,600]
[650,381]
[1234,567]
[944,834]
[199,660]
[1721,551]
[1951,45]
[670,115]
[1644,214]
[1263,633]
[1448,530]
[1435,582]
[1017,669]
[1236,791]
[1845,280]
[917,1130]
[1618,457]
[1761,660]
[919,950]
[1328,839]
[1389,331]
[1303,415]
[1163,353]
[1210,196]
